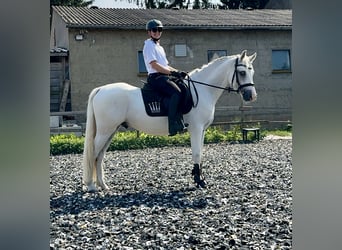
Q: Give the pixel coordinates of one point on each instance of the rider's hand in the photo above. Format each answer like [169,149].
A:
[183,74]
[179,74]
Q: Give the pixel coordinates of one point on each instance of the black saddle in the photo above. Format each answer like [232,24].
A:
[158,105]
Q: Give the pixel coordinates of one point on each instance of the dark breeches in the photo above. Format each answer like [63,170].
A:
[166,87]
[163,85]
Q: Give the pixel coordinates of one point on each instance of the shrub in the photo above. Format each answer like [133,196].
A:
[72,144]
[66,144]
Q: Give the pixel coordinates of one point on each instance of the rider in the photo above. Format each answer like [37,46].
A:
[159,71]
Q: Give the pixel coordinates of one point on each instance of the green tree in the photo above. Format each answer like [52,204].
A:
[150,4]
[75,3]
[166,4]
[205,4]
[244,4]
[177,3]
[231,4]
[196,4]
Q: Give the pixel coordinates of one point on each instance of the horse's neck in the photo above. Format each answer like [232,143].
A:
[215,73]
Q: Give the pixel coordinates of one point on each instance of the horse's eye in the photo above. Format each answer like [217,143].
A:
[242,73]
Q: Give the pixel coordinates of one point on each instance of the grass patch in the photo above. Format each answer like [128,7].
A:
[278,132]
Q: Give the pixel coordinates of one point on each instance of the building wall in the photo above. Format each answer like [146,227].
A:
[111,56]
[58,33]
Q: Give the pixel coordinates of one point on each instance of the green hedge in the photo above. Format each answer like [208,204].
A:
[66,144]
[71,144]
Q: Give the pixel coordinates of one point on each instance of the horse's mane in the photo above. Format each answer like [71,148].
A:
[204,66]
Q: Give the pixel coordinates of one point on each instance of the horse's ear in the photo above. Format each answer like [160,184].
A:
[252,57]
[243,54]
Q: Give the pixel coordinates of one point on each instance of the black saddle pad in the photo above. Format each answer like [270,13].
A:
[158,105]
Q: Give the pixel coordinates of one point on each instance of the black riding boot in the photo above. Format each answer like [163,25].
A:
[175,120]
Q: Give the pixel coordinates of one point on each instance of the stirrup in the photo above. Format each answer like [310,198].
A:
[183,124]
[177,127]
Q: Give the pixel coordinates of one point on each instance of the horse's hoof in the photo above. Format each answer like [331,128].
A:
[92,188]
[202,184]
[198,177]
[104,187]
[92,191]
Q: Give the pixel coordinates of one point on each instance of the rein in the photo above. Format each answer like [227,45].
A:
[229,89]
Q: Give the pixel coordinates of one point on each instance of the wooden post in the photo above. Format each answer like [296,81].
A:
[65,93]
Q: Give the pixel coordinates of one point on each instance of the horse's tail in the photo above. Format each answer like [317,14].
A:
[89,170]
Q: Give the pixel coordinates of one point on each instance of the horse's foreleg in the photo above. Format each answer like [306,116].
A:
[198,176]
[197,139]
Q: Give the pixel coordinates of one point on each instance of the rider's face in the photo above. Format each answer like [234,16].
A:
[155,33]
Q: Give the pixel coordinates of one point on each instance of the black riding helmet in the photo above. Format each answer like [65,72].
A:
[154,23]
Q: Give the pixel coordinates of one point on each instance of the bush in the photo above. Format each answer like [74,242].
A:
[72,144]
[66,144]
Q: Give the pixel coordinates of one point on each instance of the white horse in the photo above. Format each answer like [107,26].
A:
[114,104]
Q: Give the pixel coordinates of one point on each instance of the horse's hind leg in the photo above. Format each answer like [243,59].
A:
[100,180]
[99,171]
[102,142]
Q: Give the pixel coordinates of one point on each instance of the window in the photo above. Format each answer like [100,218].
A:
[213,54]
[281,61]
[180,50]
[141,63]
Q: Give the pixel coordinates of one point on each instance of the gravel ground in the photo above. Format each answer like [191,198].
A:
[153,204]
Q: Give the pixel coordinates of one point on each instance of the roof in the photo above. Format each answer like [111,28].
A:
[109,18]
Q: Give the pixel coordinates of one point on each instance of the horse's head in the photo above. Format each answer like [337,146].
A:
[242,80]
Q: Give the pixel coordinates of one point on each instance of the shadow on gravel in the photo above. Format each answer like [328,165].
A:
[78,202]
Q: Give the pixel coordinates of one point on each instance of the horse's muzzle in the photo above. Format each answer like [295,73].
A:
[248,94]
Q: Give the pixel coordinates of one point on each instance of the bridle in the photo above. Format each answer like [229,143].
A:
[229,89]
